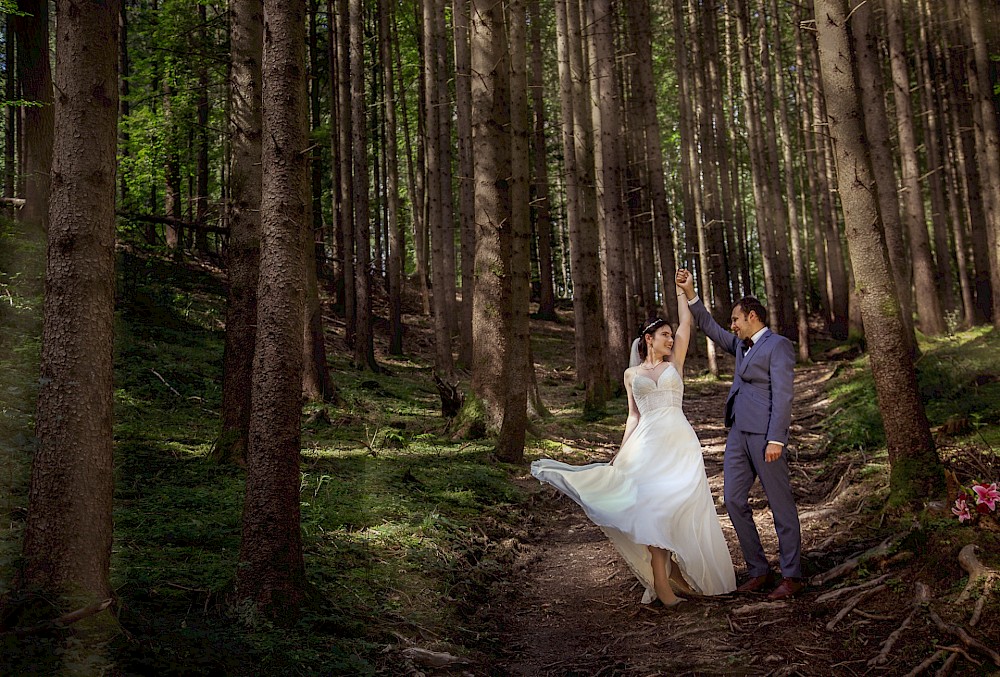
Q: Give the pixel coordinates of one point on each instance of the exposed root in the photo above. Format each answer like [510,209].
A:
[851,603]
[965,638]
[849,565]
[920,599]
[978,572]
[834,594]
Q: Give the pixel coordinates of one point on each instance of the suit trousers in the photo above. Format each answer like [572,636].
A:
[742,464]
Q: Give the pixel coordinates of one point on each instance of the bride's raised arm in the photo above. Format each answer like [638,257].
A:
[682,337]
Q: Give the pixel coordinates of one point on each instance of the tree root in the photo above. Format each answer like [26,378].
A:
[920,599]
[851,603]
[977,572]
[965,638]
[849,565]
[834,594]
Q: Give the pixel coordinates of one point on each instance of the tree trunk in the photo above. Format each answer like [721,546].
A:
[588,306]
[929,312]
[35,77]
[883,165]
[540,176]
[491,120]
[271,572]
[799,260]
[397,242]
[364,345]
[466,172]
[987,142]
[243,251]
[640,28]
[612,169]
[518,366]
[433,158]
[345,152]
[915,473]
[10,89]
[68,535]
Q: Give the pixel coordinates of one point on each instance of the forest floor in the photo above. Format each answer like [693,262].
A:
[575,607]
[427,557]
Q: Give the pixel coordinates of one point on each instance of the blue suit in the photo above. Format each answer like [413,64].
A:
[758,411]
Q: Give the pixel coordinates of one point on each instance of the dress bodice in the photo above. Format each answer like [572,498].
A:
[664,393]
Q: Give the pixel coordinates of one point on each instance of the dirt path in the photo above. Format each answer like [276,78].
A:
[577,611]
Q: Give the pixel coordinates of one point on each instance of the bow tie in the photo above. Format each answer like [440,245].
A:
[747,343]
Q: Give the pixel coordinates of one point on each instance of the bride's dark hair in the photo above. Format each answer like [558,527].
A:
[650,327]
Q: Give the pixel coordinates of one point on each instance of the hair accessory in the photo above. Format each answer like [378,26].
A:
[651,325]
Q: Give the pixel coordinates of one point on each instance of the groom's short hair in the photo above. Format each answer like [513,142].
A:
[748,303]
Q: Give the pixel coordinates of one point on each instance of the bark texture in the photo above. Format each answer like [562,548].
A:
[68,535]
[243,251]
[271,572]
[915,474]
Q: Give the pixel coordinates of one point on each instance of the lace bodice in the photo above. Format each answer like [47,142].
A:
[664,393]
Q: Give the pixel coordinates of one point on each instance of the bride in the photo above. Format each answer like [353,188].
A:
[652,499]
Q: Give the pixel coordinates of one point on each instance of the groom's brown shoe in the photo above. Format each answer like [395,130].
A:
[788,588]
[758,583]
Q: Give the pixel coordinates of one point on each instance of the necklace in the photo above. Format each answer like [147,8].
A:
[653,367]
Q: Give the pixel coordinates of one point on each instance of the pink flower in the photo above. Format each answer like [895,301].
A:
[961,509]
[987,495]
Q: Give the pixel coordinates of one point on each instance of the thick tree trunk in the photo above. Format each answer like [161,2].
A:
[915,474]
[345,152]
[68,535]
[491,137]
[518,366]
[883,165]
[271,572]
[243,250]
[35,77]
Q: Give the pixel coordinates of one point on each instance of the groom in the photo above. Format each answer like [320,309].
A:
[758,413]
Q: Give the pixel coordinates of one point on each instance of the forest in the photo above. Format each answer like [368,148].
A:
[293,292]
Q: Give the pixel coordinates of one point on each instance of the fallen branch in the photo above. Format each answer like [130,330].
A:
[12,201]
[964,637]
[977,572]
[921,598]
[63,621]
[851,603]
[849,565]
[155,373]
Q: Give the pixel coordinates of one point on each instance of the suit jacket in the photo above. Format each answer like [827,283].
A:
[760,399]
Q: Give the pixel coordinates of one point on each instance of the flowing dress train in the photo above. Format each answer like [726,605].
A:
[656,493]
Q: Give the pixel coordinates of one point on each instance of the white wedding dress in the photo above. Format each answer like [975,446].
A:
[656,493]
